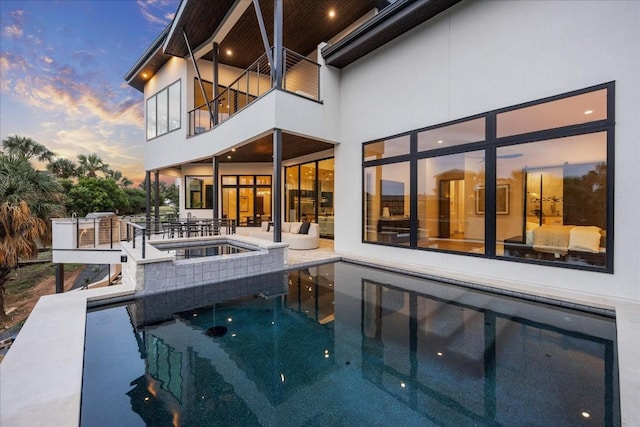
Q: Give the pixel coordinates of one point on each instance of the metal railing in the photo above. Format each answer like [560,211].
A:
[134,230]
[300,76]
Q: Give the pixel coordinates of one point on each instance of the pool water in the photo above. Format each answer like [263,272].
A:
[204,250]
[341,344]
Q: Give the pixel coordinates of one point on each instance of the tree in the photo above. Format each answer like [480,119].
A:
[91,164]
[117,176]
[25,148]
[137,201]
[166,192]
[96,195]
[63,168]
[28,199]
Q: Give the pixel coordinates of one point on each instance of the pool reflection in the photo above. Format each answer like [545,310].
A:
[347,345]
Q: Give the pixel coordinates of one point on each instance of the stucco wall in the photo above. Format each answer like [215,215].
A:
[484,55]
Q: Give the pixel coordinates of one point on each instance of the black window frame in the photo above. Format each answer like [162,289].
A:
[155,95]
[490,145]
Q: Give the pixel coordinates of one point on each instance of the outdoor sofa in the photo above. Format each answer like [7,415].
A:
[291,234]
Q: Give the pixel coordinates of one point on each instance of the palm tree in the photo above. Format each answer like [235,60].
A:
[117,176]
[28,199]
[91,164]
[63,168]
[125,182]
[26,148]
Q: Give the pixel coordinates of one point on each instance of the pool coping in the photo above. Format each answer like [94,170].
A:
[50,345]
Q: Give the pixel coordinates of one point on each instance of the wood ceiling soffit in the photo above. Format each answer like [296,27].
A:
[306,24]
[199,18]
[261,150]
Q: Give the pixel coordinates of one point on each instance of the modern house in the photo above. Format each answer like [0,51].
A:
[492,144]
[492,141]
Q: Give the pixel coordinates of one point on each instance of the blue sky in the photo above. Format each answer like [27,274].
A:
[62,64]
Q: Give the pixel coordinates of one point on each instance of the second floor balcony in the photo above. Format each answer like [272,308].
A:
[301,76]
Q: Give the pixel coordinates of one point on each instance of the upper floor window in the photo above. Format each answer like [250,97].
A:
[163,111]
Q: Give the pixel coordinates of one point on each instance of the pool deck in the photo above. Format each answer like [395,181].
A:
[41,376]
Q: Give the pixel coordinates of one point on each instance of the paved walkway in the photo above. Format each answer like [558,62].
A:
[324,253]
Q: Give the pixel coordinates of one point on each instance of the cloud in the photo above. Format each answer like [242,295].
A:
[10,62]
[154,11]
[13,31]
[15,28]
[61,91]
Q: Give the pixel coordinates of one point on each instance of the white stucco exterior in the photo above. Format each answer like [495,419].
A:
[480,56]
[475,57]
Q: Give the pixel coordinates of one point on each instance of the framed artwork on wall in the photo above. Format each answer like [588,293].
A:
[502,199]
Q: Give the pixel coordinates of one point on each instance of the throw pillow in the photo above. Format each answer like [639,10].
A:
[268,227]
[585,238]
[304,228]
[295,228]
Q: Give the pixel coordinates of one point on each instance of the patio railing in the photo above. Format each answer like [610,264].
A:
[300,76]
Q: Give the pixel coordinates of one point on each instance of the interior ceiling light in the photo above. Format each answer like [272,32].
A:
[229,52]
[145,75]
[332,13]
[440,141]
[587,112]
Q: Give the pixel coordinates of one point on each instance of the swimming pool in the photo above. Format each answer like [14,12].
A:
[342,344]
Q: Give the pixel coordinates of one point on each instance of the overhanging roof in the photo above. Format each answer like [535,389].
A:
[151,61]
[306,24]
[199,19]
[390,23]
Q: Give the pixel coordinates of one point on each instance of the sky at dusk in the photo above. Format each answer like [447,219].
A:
[62,64]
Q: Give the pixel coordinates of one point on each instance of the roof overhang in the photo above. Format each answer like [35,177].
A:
[151,61]
[390,23]
[234,26]
[199,20]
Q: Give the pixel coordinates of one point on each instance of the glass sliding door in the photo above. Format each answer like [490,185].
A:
[292,186]
[247,198]
[309,194]
[325,188]
[229,203]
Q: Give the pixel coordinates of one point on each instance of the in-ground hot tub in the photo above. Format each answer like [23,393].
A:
[204,249]
[186,263]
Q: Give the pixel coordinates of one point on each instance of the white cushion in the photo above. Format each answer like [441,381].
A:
[265,225]
[286,227]
[295,227]
[585,238]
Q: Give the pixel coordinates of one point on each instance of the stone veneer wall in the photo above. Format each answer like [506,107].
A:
[161,272]
[159,307]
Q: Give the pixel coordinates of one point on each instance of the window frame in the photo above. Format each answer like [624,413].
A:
[168,108]
[202,179]
[490,146]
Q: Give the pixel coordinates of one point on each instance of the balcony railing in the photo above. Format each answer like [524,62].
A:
[301,76]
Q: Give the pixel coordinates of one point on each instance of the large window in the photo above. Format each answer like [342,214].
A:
[450,202]
[163,111]
[530,183]
[199,192]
